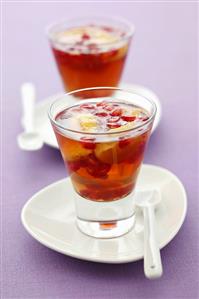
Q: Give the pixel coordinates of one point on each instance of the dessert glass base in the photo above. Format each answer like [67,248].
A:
[105,219]
[106,230]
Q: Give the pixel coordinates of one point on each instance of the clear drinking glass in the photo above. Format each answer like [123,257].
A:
[95,59]
[103,166]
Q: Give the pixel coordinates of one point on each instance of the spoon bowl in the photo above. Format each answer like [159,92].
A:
[30,141]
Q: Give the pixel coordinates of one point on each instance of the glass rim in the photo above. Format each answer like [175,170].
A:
[128,34]
[148,121]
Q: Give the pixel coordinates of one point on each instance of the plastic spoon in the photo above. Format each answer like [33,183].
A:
[147,201]
[29,140]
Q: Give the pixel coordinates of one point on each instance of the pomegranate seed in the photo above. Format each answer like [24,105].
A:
[113,52]
[87,106]
[91,194]
[128,118]
[116,112]
[107,28]
[113,119]
[85,193]
[88,143]
[75,165]
[85,36]
[144,118]
[97,168]
[113,125]
[124,190]
[65,116]
[108,107]
[101,104]
[101,114]
[78,109]
[123,143]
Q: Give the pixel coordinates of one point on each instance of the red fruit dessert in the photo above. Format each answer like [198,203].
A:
[90,55]
[103,165]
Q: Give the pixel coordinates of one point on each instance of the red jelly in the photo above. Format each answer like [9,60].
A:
[103,169]
[90,55]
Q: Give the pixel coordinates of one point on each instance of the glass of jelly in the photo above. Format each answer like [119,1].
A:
[102,140]
[90,52]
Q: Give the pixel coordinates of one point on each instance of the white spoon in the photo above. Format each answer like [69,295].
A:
[147,200]
[29,140]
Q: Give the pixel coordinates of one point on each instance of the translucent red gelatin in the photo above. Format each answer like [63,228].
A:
[86,64]
[103,171]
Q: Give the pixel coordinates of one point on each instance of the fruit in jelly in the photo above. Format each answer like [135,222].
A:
[103,164]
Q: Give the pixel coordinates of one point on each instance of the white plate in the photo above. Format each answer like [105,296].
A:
[43,126]
[49,217]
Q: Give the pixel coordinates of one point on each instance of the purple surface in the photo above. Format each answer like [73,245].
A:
[163,57]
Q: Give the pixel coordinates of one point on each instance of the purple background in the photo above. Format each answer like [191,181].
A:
[163,57]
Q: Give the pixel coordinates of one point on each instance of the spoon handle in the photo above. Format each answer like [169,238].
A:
[28,100]
[152,258]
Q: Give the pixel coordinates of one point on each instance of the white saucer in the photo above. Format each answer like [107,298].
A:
[49,217]
[43,126]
